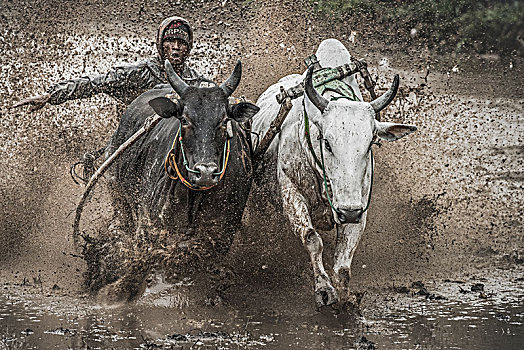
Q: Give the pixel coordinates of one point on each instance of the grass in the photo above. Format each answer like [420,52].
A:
[479,25]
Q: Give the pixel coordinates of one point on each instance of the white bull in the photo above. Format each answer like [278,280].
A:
[346,130]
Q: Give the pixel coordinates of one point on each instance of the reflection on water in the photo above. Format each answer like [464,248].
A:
[467,317]
[143,327]
[461,320]
[453,325]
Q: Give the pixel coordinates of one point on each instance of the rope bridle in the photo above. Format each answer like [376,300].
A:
[170,162]
[344,90]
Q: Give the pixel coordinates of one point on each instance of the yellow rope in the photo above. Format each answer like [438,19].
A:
[170,158]
[170,162]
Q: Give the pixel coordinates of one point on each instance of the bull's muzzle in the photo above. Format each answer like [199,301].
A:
[207,175]
[351,216]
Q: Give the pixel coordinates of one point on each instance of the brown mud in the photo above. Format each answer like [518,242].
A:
[448,199]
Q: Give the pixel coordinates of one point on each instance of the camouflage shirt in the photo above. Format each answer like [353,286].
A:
[124,83]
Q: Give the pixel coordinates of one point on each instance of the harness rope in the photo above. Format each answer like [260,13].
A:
[344,89]
[170,161]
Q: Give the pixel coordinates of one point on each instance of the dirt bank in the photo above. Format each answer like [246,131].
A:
[448,199]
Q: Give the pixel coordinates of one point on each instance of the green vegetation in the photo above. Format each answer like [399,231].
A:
[481,25]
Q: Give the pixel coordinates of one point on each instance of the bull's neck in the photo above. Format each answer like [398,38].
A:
[308,135]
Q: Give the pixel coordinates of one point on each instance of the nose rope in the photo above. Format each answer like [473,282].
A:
[170,162]
[371,183]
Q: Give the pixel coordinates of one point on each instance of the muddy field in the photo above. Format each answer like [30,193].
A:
[446,210]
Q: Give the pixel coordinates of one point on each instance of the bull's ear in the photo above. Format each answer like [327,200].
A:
[243,111]
[165,107]
[393,131]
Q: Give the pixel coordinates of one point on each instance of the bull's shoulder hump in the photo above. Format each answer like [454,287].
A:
[290,77]
[332,53]
[286,82]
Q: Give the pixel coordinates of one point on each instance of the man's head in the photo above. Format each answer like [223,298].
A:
[174,40]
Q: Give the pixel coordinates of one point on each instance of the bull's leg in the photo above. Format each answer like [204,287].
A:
[298,214]
[135,265]
[348,237]
[103,253]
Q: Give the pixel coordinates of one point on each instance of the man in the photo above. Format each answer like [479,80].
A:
[174,42]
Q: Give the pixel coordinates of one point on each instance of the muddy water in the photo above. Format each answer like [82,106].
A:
[478,313]
[448,199]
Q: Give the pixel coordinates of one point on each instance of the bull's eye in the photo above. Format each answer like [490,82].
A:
[328,146]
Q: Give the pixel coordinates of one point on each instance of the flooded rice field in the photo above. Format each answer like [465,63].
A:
[440,265]
[476,313]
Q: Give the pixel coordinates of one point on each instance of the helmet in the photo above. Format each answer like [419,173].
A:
[166,25]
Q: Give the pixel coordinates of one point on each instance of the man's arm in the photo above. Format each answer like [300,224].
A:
[131,78]
[34,102]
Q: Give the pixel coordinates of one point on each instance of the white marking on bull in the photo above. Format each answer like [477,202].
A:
[347,129]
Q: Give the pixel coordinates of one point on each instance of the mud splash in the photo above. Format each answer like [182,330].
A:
[448,200]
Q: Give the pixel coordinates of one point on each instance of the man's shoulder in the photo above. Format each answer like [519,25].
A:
[148,63]
[191,76]
[151,68]
[152,62]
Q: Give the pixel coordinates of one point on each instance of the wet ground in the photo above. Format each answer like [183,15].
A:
[446,211]
[474,313]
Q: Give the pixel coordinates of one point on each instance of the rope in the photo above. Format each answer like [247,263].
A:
[148,125]
[170,159]
[170,162]
[372,176]
[308,137]
[321,164]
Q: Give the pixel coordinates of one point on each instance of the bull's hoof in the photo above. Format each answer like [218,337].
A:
[325,296]
[349,304]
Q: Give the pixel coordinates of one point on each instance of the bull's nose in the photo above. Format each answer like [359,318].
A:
[206,174]
[351,216]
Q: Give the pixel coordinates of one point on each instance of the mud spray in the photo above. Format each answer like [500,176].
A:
[447,209]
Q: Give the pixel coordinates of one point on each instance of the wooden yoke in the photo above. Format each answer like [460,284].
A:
[274,129]
[321,76]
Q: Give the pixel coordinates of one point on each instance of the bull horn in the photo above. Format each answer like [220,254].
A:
[317,99]
[234,79]
[382,101]
[176,82]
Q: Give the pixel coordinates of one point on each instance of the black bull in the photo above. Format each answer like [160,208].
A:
[168,225]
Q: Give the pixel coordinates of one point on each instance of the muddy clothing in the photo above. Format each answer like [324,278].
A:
[124,83]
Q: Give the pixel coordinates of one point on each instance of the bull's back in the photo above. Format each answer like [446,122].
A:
[269,106]
[135,115]
[332,53]
[138,167]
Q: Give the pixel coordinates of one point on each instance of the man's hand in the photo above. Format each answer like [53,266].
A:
[35,102]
